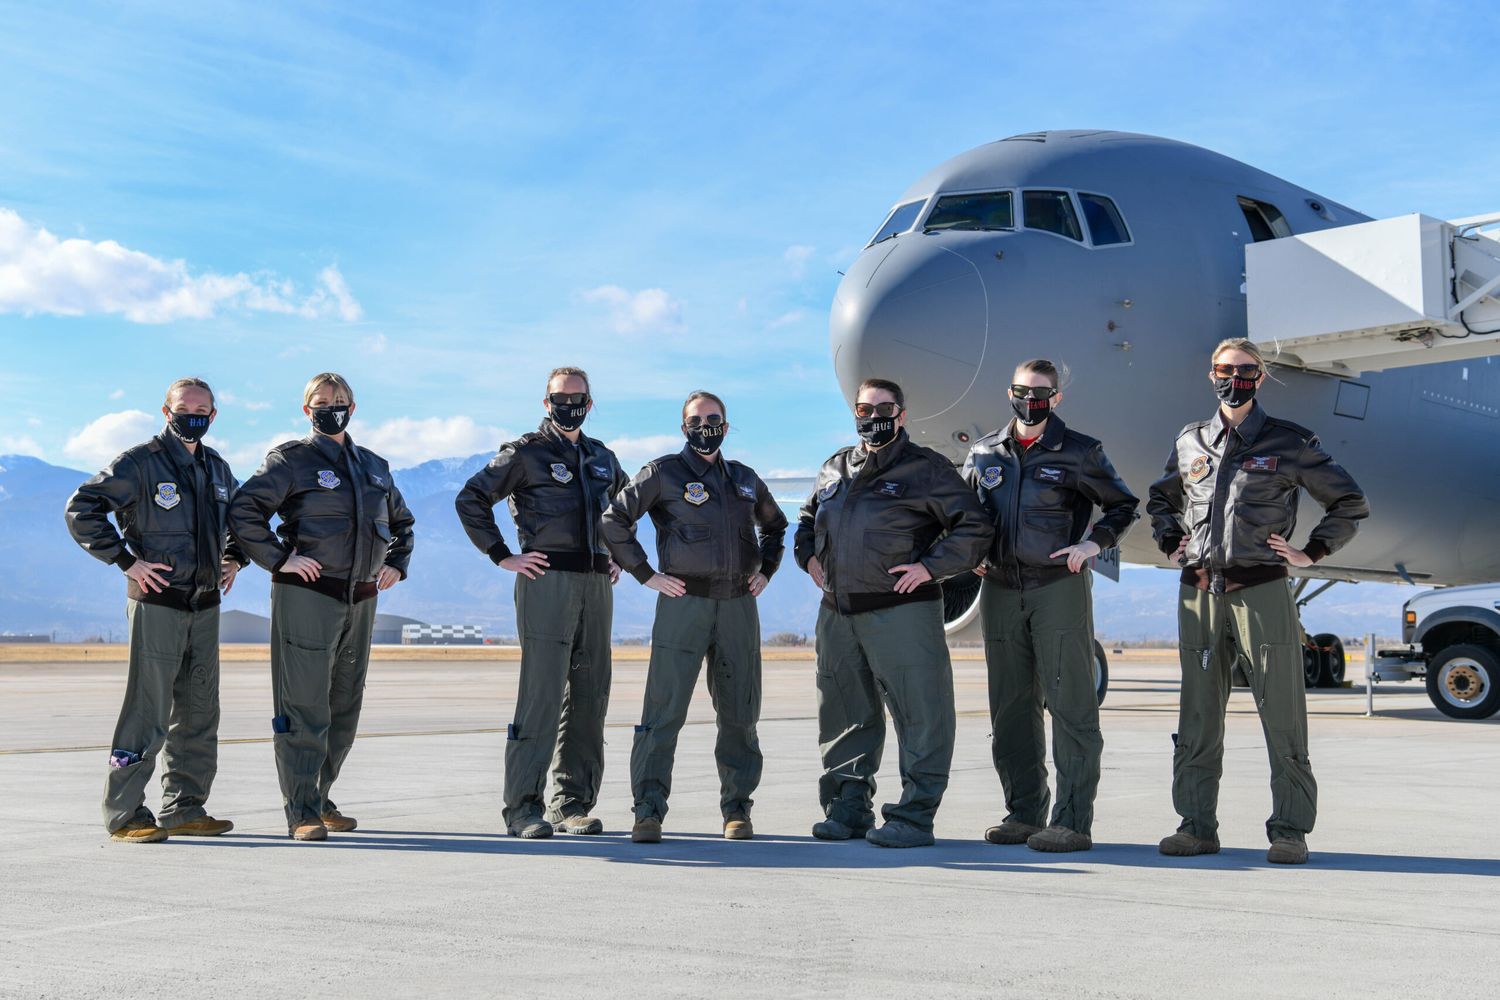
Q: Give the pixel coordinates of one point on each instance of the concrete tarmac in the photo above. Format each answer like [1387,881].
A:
[430,898]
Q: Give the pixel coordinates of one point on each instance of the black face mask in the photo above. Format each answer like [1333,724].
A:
[330,420]
[877,432]
[1031,412]
[190,427]
[705,440]
[569,418]
[1235,392]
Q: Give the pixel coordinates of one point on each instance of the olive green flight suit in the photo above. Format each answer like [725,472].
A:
[171,707]
[565,620]
[727,632]
[897,655]
[1039,647]
[1262,621]
[320,654]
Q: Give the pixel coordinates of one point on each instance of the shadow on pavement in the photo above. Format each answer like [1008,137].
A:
[768,851]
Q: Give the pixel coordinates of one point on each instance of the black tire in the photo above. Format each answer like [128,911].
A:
[1313,667]
[1329,650]
[1101,672]
[1463,681]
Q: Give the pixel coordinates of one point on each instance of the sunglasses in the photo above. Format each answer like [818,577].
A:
[567,398]
[1237,371]
[1034,391]
[712,420]
[876,409]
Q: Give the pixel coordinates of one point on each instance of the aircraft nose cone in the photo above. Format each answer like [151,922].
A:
[913,312]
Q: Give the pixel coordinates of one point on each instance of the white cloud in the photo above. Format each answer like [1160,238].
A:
[791,473]
[406,441]
[376,344]
[789,318]
[796,256]
[650,310]
[117,394]
[634,452]
[20,444]
[226,397]
[40,273]
[106,437]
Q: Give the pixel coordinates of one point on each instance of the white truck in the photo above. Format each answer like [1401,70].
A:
[1453,640]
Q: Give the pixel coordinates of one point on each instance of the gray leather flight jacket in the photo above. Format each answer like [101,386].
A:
[1040,500]
[338,505]
[557,492]
[870,511]
[706,513]
[171,508]
[1228,491]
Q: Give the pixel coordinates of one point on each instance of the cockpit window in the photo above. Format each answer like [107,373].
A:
[900,220]
[1105,225]
[987,210]
[1051,211]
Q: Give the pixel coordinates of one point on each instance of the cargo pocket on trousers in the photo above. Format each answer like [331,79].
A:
[744,707]
[1073,668]
[203,698]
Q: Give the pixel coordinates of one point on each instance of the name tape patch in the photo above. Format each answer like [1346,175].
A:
[1260,463]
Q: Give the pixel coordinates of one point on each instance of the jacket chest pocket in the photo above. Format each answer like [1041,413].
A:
[1049,486]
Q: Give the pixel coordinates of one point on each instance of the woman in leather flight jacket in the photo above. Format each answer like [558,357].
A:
[1041,482]
[345,534]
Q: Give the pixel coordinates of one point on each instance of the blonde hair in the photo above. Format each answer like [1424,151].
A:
[326,378]
[565,372]
[189,383]
[1238,344]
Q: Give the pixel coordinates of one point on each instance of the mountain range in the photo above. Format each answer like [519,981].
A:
[51,586]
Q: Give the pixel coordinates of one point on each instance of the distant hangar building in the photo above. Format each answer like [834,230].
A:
[243,626]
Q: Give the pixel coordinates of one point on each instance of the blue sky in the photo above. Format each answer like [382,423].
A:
[443,201]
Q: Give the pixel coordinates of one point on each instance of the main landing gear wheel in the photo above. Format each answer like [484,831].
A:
[1101,672]
[1323,661]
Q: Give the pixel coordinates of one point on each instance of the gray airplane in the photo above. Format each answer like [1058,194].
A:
[1124,257]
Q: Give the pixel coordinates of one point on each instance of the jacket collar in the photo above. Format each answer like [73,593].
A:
[173,446]
[326,446]
[878,461]
[555,437]
[1052,436]
[699,465]
[1249,428]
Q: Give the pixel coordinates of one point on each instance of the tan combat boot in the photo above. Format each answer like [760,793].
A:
[138,832]
[738,829]
[337,822]
[309,829]
[1059,840]
[646,831]
[1285,851]
[203,826]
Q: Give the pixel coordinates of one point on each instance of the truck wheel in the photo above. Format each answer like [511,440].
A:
[1463,681]
[1101,672]
[1330,654]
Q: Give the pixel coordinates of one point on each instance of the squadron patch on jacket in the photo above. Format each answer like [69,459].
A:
[1047,474]
[327,479]
[167,496]
[745,492]
[560,473]
[826,491]
[992,477]
[1260,463]
[695,494]
[891,488]
[1200,468]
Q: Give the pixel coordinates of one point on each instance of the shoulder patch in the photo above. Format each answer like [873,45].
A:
[695,494]
[561,472]
[828,489]
[992,476]
[167,496]
[328,479]
[1199,468]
